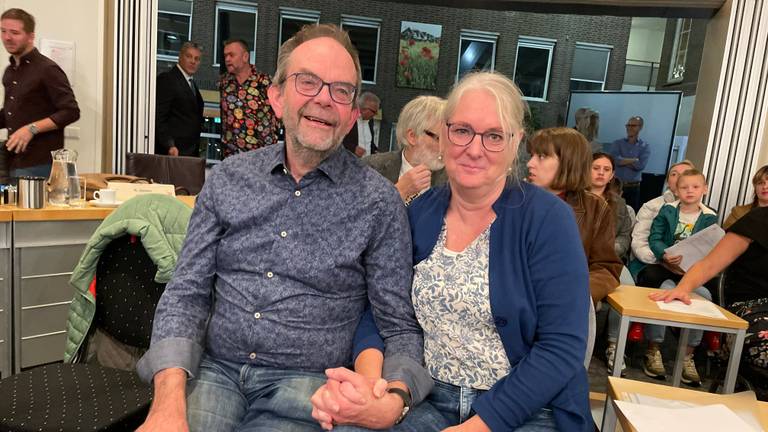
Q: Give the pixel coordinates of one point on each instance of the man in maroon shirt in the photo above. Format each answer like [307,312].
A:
[38,103]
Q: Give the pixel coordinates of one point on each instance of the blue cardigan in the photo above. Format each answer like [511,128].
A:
[539,293]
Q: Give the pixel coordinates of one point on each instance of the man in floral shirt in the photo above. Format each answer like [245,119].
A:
[247,118]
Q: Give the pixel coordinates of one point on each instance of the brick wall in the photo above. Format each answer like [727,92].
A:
[566,29]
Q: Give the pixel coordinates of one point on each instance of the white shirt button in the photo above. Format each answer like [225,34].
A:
[252,356]
[297,193]
[270,274]
[283,234]
[257,315]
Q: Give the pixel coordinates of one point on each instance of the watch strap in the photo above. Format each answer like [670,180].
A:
[406,397]
[33,129]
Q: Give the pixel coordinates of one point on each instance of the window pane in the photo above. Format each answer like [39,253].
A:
[589,64]
[235,25]
[365,40]
[531,71]
[290,27]
[585,85]
[639,74]
[164,65]
[172,32]
[178,6]
[475,56]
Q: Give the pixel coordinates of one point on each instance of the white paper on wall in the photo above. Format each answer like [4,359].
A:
[63,53]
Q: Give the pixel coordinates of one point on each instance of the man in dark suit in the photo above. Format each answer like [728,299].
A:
[179,108]
[361,138]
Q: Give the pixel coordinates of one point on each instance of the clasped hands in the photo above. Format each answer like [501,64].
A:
[350,398]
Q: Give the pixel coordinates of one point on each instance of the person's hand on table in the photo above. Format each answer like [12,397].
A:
[350,398]
[677,293]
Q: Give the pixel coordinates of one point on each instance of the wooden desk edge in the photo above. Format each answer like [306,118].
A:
[13,213]
[731,321]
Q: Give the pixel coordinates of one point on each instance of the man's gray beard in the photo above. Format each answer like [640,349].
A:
[309,155]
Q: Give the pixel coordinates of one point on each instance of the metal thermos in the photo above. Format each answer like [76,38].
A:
[8,194]
[31,192]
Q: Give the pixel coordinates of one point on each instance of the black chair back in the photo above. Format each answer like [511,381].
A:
[126,292]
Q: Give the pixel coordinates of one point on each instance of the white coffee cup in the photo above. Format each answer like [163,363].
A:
[106,196]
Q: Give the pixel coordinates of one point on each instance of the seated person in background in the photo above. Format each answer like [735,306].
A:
[505,327]
[560,163]
[676,221]
[640,249]
[418,165]
[605,185]
[760,184]
[744,252]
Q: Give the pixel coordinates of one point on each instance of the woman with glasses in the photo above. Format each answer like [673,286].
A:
[417,166]
[560,163]
[500,285]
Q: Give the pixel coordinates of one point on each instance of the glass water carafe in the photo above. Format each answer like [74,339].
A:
[63,184]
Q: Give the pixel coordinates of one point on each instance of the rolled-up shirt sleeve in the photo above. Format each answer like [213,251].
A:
[179,328]
[60,92]
[389,271]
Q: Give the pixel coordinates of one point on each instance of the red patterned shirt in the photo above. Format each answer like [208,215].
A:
[248,121]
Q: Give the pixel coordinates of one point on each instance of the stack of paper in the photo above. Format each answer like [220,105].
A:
[696,246]
[697,307]
[709,418]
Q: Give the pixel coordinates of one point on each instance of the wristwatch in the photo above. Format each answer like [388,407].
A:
[406,402]
[33,129]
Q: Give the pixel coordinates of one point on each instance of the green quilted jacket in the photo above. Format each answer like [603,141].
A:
[161,223]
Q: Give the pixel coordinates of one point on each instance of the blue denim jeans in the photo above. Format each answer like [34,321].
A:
[227,396]
[655,333]
[449,405]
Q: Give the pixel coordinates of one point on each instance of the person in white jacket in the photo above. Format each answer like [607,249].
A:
[641,252]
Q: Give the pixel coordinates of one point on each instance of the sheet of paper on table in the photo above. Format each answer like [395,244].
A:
[743,404]
[708,418]
[697,246]
[697,307]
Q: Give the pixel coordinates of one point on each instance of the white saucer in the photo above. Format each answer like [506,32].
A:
[97,203]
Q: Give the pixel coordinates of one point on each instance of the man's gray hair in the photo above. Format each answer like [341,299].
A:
[638,118]
[368,96]
[189,44]
[418,115]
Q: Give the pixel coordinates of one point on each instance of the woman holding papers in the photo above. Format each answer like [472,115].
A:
[744,252]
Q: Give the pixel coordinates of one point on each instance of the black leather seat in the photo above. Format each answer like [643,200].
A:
[186,173]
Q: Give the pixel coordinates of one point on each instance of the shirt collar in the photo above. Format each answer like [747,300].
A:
[233,77]
[187,77]
[332,166]
[26,58]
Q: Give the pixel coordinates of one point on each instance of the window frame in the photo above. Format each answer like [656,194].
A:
[594,47]
[538,43]
[365,22]
[477,36]
[168,57]
[234,6]
[676,49]
[296,14]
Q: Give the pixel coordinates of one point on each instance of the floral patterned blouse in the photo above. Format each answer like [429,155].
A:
[452,303]
[248,121]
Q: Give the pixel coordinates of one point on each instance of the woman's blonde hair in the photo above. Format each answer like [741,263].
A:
[418,115]
[510,106]
[573,152]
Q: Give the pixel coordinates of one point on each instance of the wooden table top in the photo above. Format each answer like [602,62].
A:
[617,386]
[53,213]
[633,301]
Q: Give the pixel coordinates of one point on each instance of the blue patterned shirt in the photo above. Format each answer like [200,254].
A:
[623,149]
[284,270]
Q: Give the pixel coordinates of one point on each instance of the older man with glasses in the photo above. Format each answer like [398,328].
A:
[631,155]
[361,139]
[418,165]
[286,246]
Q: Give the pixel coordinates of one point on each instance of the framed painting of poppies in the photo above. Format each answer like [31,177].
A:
[419,50]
